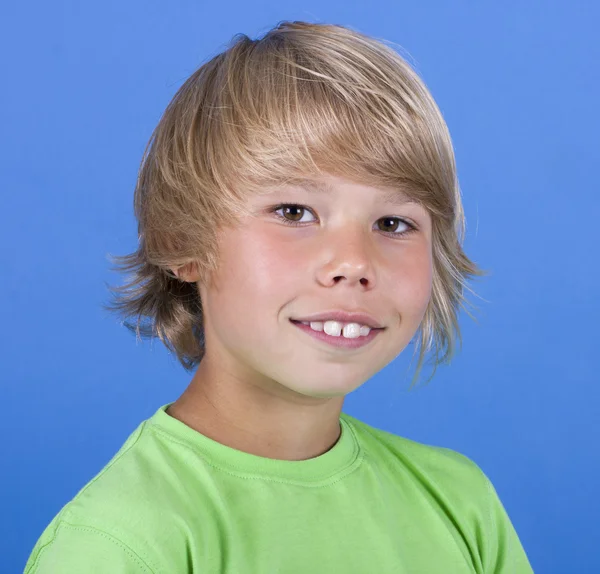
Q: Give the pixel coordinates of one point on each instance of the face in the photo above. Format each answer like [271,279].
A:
[351,250]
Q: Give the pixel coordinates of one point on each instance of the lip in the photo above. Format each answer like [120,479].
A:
[343,317]
[340,341]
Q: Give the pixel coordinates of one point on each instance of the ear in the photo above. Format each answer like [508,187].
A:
[187,272]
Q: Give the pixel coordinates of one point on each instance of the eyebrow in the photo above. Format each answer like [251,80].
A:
[391,196]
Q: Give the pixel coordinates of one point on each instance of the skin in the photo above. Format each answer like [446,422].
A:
[267,388]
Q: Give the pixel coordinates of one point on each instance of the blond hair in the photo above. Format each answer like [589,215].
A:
[304,100]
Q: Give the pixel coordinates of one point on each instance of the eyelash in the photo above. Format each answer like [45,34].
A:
[411,227]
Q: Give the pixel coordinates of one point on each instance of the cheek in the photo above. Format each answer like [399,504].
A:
[412,283]
[268,263]
[254,270]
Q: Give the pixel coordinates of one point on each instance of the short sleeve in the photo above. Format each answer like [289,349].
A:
[502,550]
[76,549]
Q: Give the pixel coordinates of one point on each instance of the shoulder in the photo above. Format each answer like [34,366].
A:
[139,485]
[123,507]
[453,472]
[456,485]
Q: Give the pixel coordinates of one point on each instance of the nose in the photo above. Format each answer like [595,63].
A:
[348,258]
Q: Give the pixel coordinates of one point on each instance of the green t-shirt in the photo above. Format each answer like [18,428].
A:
[173,501]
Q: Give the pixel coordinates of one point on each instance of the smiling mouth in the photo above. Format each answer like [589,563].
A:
[341,342]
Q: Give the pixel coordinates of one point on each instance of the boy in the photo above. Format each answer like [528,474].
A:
[299,221]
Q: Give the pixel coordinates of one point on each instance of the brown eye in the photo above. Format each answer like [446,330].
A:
[391,222]
[295,211]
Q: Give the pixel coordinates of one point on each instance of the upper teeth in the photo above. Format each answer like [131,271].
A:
[337,328]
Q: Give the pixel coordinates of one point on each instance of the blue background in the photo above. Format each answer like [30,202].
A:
[518,83]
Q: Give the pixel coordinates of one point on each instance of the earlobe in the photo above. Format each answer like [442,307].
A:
[187,272]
